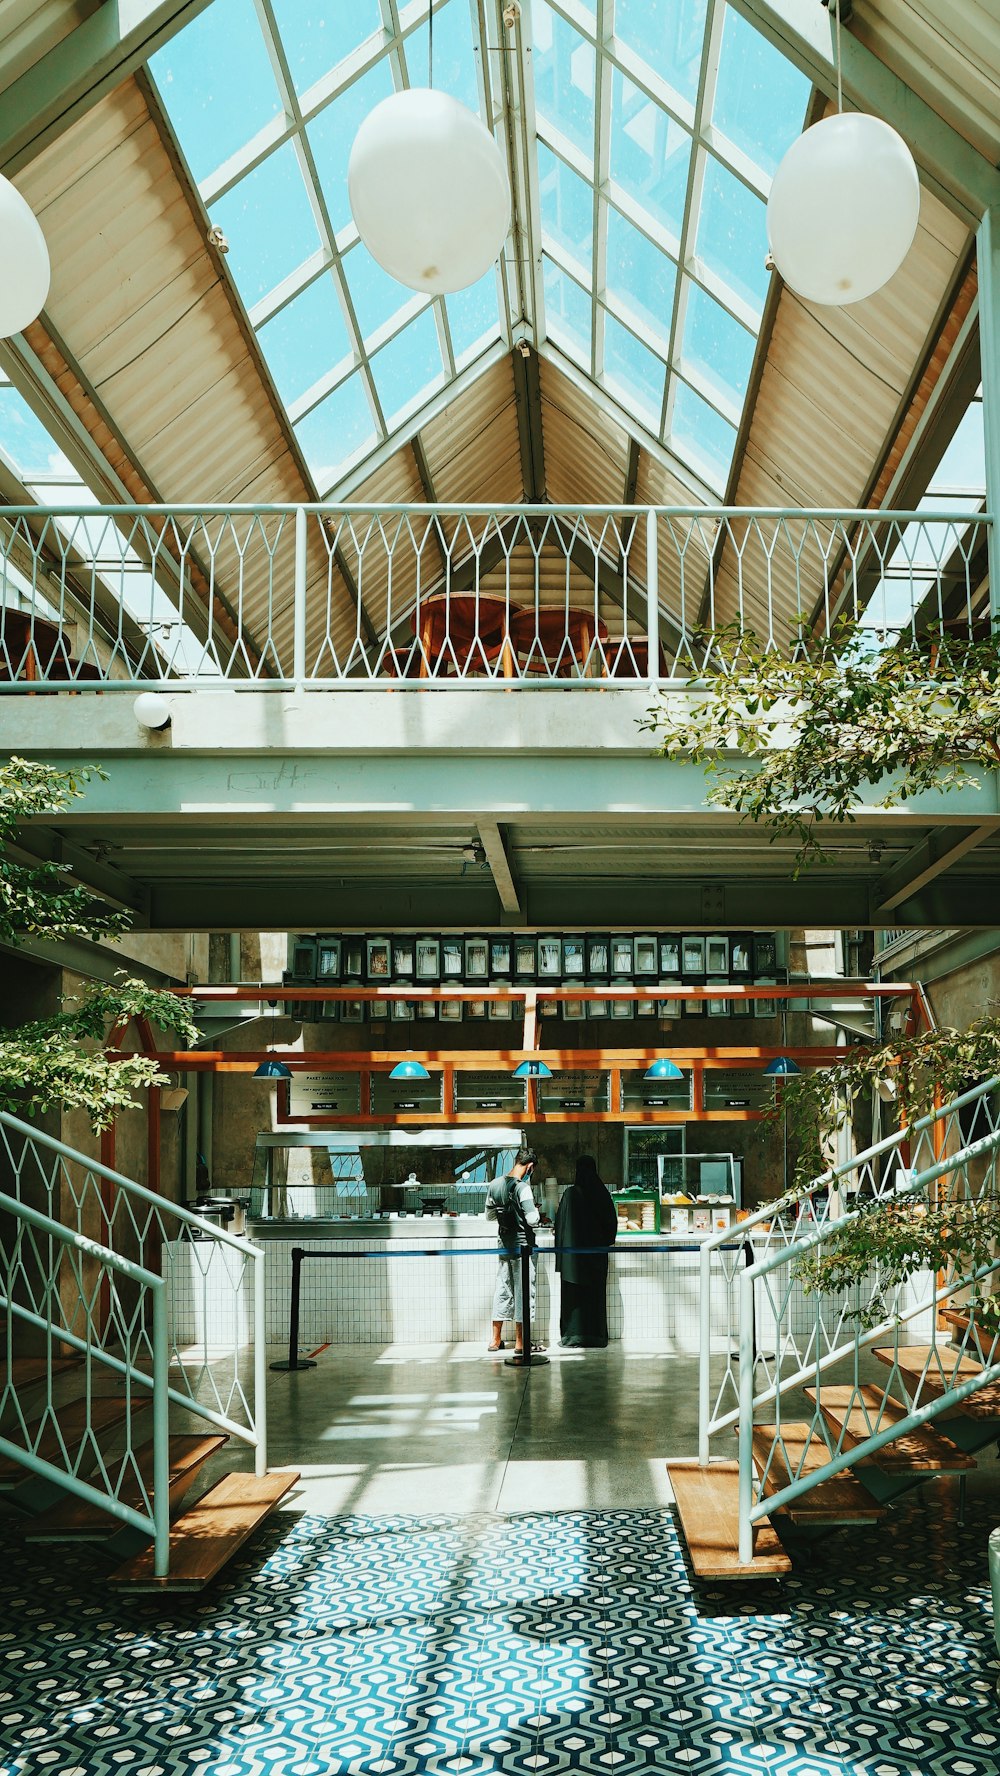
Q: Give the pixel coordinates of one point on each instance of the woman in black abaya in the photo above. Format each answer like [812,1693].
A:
[586,1217]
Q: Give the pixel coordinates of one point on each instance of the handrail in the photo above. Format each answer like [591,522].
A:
[131,1186]
[480,509]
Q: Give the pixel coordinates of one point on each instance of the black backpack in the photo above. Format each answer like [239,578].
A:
[512,1227]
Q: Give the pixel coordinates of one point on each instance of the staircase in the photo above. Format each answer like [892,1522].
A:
[827,1438]
[110,1406]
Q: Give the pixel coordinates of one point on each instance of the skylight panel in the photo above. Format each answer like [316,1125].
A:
[567,312]
[760,96]
[716,347]
[376,296]
[640,278]
[567,206]
[336,432]
[24,440]
[316,36]
[564,66]
[634,373]
[668,35]
[305,339]
[732,234]
[962,469]
[650,154]
[217,83]
[269,224]
[474,318]
[408,369]
[701,436]
[331,136]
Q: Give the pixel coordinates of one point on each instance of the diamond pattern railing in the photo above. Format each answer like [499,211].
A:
[809,1295]
[86,1294]
[408,596]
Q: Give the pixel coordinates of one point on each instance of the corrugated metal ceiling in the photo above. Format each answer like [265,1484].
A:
[948,51]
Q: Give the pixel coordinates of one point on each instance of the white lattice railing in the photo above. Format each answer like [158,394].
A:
[95,1266]
[785,1336]
[413,596]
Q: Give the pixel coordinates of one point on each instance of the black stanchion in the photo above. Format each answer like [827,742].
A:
[526,1359]
[294,1361]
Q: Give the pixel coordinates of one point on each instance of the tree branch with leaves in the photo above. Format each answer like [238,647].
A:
[821,728]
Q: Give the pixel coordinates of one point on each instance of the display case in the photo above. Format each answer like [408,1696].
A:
[670,954]
[476,1009]
[765,1008]
[451,959]
[352,959]
[426,1010]
[692,956]
[525,959]
[451,1011]
[640,1093]
[403,959]
[501,958]
[638,1210]
[352,1011]
[645,958]
[574,1010]
[378,1010]
[477,959]
[500,1011]
[621,958]
[598,956]
[377,960]
[391,1096]
[428,958]
[490,1091]
[574,1091]
[737,1088]
[765,954]
[643,1148]
[741,955]
[328,1010]
[670,1007]
[717,954]
[319,1094]
[303,959]
[402,1011]
[598,1008]
[328,959]
[550,958]
[622,1008]
[574,958]
[718,1007]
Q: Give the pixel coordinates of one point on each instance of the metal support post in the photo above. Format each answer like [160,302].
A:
[652,601]
[161,1434]
[988,266]
[260,1362]
[704,1350]
[746,1418]
[294,1361]
[299,596]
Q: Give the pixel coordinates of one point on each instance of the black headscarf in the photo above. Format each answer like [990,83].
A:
[586,1217]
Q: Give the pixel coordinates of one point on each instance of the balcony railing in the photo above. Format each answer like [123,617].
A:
[414,597]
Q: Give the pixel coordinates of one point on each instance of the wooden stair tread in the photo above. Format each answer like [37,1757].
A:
[708,1506]
[205,1537]
[73,1516]
[923,1449]
[910,1360]
[106,1412]
[27,1372]
[841,1499]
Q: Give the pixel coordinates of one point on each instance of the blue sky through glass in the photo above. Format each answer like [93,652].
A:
[332,133]
[24,439]
[409,368]
[454,61]
[335,431]
[474,316]
[567,206]
[306,339]
[668,35]
[717,347]
[649,154]
[640,277]
[217,83]
[700,437]
[732,234]
[567,312]
[564,67]
[268,223]
[317,36]
[634,373]
[376,296]
[760,96]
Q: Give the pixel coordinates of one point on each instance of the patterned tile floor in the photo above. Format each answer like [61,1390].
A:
[365,1646]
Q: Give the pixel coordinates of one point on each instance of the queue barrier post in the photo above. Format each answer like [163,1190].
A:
[293,1360]
[526,1359]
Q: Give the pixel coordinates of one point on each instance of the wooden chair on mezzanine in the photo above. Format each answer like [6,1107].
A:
[558,640]
[463,634]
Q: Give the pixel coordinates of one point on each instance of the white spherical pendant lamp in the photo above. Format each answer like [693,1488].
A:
[24,263]
[843,209]
[429,191]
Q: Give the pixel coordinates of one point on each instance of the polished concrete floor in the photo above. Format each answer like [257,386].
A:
[382,1429]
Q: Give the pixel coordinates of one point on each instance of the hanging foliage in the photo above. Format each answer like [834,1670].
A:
[816,734]
[60,1060]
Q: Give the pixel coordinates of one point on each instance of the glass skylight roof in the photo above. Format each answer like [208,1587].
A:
[659,125]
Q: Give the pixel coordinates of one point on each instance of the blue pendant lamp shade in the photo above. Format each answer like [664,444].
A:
[409,1070]
[532,1070]
[664,1068]
[782,1067]
[272,1069]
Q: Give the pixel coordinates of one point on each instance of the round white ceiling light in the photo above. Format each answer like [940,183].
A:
[429,191]
[843,209]
[24,278]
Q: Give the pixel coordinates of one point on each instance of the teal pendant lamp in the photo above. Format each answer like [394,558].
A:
[272,1069]
[409,1070]
[782,1067]
[532,1070]
[663,1068]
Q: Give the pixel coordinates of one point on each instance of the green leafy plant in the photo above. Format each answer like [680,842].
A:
[62,1059]
[901,1238]
[832,722]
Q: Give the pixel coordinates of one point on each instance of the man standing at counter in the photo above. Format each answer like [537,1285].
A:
[510,1204]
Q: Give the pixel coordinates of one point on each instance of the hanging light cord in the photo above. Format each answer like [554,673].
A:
[430,45]
[840,85]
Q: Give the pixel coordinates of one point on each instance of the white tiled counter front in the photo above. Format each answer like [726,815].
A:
[397,1294]
[385,1287]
